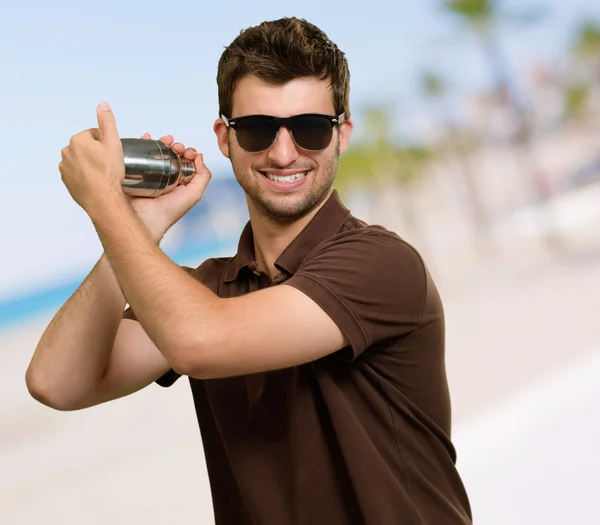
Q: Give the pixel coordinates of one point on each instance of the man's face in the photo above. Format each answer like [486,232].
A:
[255,172]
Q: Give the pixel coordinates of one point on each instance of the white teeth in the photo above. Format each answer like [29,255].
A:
[289,178]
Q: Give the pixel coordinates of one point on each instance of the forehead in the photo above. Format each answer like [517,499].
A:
[302,95]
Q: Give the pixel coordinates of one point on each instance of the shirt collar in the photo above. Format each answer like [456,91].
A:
[323,225]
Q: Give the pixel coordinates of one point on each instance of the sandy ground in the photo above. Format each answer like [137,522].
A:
[523,361]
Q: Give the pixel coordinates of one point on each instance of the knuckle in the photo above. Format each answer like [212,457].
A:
[76,139]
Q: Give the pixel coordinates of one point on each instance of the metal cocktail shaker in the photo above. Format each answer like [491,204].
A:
[152,168]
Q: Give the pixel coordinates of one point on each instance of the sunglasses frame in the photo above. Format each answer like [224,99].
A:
[334,120]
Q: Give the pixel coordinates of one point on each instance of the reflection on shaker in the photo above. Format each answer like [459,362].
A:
[153,169]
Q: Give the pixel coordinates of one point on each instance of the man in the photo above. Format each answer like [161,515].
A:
[315,355]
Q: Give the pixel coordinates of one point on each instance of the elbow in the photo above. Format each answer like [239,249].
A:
[191,360]
[42,392]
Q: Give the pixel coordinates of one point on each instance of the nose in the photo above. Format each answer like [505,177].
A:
[283,151]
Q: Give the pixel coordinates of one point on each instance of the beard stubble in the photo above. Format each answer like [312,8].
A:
[280,208]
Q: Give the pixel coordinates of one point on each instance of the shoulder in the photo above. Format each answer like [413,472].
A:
[370,247]
[368,259]
[371,282]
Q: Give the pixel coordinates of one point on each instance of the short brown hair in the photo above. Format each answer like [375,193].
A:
[279,51]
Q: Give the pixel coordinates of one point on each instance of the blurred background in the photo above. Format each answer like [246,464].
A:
[477,139]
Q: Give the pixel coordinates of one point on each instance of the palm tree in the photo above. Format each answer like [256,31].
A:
[576,100]
[379,164]
[453,145]
[483,18]
[377,158]
[585,51]
[587,42]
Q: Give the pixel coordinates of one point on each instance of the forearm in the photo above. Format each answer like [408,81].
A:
[73,352]
[170,305]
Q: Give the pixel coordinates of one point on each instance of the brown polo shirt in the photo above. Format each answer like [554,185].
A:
[361,436]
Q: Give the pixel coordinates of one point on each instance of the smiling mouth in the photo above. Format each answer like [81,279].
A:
[286,178]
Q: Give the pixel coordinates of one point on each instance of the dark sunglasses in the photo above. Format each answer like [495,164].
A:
[310,131]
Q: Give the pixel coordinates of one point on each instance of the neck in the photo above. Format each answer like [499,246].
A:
[272,236]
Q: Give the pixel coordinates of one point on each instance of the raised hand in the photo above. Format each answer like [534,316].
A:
[92,166]
[92,169]
[160,213]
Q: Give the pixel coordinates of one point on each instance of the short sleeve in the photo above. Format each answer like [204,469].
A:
[370,282]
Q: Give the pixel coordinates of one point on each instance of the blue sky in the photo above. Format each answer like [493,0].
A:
[155,63]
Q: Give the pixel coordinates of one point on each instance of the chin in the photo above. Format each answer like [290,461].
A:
[288,207]
[285,207]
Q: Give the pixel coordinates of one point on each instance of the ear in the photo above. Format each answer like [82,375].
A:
[345,132]
[221,131]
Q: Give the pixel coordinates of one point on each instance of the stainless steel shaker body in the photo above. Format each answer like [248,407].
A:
[153,169]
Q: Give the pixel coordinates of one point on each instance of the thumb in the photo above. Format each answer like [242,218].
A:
[107,123]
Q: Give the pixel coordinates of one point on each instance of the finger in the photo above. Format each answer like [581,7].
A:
[191,193]
[178,147]
[196,187]
[167,140]
[107,123]
[190,153]
[146,136]
[202,171]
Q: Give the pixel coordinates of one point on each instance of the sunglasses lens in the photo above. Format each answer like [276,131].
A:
[312,132]
[256,134]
